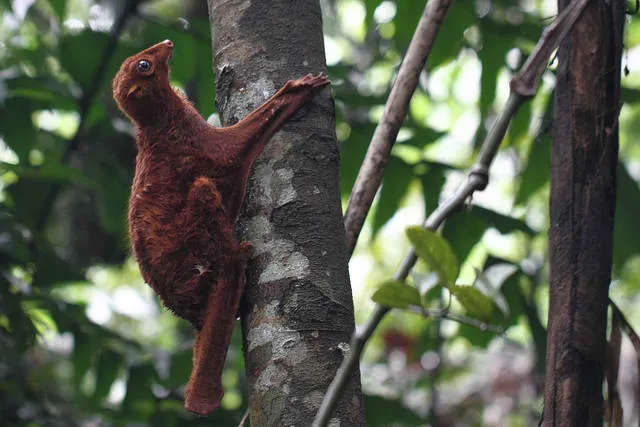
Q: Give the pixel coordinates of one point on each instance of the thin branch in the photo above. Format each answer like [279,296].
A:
[522,89]
[526,81]
[465,320]
[384,137]
[85,102]
[244,419]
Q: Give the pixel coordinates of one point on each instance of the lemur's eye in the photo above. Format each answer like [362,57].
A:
[143,66]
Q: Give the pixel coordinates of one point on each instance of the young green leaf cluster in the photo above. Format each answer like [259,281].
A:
[436,253]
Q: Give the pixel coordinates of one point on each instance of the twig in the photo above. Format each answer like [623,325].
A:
[85,101]
[244,419]
[523,87]
[384,136]
[465,320]
[485,327]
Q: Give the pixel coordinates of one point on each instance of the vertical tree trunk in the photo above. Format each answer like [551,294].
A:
[298,309]
[584,155]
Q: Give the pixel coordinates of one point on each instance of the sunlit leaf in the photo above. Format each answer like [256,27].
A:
[436,252]
[475,302]
[397,295]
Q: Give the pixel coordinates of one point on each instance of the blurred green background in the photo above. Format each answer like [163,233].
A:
[83,341]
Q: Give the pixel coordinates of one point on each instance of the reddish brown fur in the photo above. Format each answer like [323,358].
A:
[186,195]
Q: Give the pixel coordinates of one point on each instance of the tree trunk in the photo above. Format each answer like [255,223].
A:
[297,314]
[584,155]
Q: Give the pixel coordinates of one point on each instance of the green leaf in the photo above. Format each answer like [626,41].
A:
[13,238]
[397,295]
[80,55]
[180,369]
[139,398]
[436,252]
[432,182]
[84,353]
[625,241]
[395,185]
[205,100]
[492,55]
[629,95]
[476,336]
[475,302]
[536,174]
[464,230]
[352,152]
[519,127]
[51,171]
[16,126]
[20,323]
[450,39]
[381,412]
[422,136]
[60,8]
[107,368]
[43,92]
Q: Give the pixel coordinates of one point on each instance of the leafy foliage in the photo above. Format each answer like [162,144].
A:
[82,339]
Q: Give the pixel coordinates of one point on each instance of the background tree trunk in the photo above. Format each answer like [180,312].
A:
[584,155]
[298,310]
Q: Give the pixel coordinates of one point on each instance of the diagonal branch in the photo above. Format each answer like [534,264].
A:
[477,180]
[395,111]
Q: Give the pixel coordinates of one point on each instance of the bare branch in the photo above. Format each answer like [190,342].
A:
[245,417]
[384,137]
[477,180]
[444,313]
[526,81]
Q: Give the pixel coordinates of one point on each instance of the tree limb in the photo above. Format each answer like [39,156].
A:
[477,180]
[384,136]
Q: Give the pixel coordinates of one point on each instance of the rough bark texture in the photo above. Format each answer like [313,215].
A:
[584,155]
[298,313]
